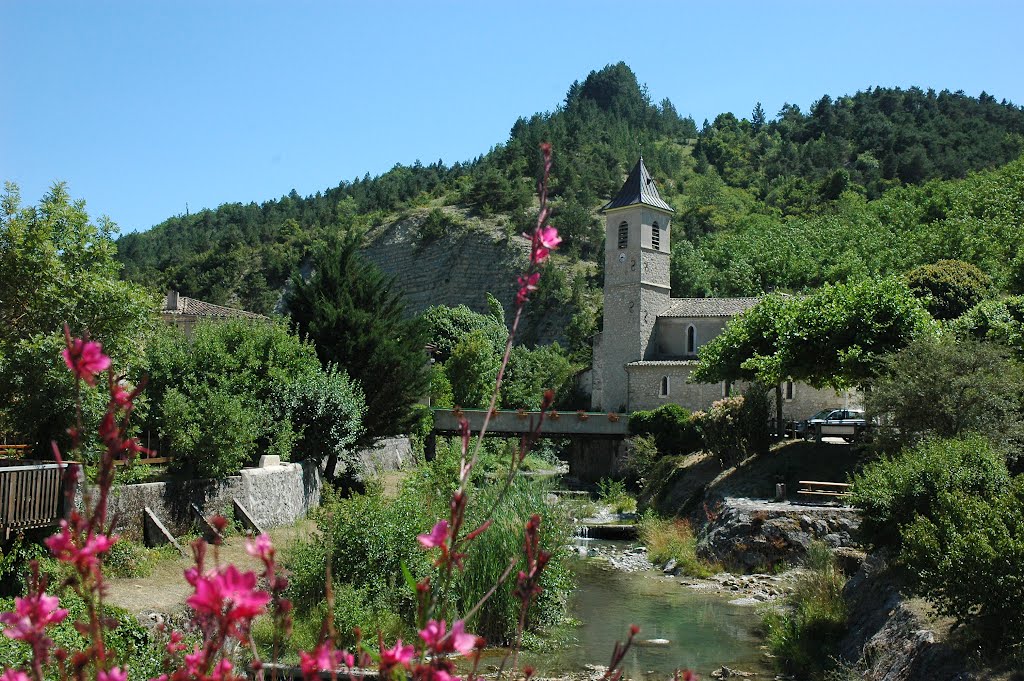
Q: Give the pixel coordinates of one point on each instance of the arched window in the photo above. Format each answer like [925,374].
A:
[623,234]
[655,237]
[691,340]
[665,386]
[788,390]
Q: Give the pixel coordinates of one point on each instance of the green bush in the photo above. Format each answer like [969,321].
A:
[325,410]
[965,559]
[210,432]
[613,494]
[128,643]
[438,224]
[948,288]
[641,455]
[673,428]
[673,539]
[804,637]
[367,539]
[894,491]
[736,427]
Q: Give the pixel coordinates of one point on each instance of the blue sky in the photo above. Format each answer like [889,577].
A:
[144,107]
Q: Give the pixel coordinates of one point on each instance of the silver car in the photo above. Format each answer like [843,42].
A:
[835,417]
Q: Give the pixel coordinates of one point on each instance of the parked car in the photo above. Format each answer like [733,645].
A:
[834,417]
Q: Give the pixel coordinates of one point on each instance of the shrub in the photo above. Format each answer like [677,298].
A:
[613,494]
[641,455]
[966,560]
[325,409]
[948,288]
[210,432]
[944,387]
[736,427]
[438,224]
[804,638]
[894,491]
[673,429]
[673,539]
[368,538]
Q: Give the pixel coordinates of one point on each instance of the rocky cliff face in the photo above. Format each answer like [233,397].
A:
[459,268]
[887,640]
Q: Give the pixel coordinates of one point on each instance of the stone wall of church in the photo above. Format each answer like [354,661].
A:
[645,382]
[807,400]
[671,333]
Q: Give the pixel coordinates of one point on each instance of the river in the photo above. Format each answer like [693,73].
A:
[704,631]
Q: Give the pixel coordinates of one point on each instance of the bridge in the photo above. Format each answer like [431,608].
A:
[598,439]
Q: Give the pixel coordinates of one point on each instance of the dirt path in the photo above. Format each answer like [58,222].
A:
[165,589]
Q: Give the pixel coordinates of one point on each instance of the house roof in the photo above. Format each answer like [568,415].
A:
[707,307]
[181,305]
[639,188]
[663,363]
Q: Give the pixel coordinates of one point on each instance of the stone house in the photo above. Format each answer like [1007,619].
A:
[185,313]
[647,350]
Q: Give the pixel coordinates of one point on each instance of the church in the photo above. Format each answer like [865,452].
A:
[648,347]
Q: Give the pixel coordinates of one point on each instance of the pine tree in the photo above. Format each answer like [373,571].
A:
[356,319]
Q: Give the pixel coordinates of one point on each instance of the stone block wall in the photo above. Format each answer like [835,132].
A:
[276,495]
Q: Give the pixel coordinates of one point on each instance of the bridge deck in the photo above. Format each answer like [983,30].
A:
[564,424]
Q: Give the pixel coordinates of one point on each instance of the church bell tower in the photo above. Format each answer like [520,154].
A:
[636,284]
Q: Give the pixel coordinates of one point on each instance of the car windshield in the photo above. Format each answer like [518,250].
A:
[821,414]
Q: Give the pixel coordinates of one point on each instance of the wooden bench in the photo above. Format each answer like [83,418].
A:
[145,461]
[13,451]
[824,489]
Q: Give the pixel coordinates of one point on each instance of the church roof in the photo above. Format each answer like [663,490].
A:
[639,188]
[707,307]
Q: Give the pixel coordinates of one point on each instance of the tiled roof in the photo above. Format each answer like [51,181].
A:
[200,308]
[639,188]
[664,363]
[707,307]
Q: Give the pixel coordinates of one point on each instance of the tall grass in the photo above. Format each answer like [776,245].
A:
[367,539]
[804,637]
[673,539]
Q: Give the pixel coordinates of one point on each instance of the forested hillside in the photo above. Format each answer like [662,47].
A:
[874,182]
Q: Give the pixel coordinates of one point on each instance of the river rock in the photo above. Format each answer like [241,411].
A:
[750,535]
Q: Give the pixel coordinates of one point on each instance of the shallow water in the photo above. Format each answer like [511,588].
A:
[703,630]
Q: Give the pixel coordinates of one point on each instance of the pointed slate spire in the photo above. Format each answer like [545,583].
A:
[639,188]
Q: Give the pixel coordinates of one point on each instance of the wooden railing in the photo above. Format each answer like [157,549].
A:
[31,495]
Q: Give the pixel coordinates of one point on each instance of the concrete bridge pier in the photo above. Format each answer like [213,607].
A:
[593,459]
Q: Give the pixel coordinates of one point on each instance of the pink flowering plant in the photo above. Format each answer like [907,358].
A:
[226,601]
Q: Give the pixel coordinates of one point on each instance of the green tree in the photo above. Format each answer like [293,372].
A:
[838,334]
[59,267]
[939,386]
[949,288]
[472,369]
[356,320]
[531,372]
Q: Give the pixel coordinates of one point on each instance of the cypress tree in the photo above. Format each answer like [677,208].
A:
[356,319]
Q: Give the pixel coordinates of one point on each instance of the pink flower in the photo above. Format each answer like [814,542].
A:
[115,674]
[399,655]
[457,640]
[120,396]
[221,672]
[527,285]
[261,547]
[323,658]
[31,615]
[230,593]
[461,641]
[436,536]
[14,675]
[62,545]
[545,240]
[85,359]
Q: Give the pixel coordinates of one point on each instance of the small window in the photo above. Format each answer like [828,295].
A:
[623,234]
[788,390]
[665,386]
[655,237]
[725,388]
[691,340]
